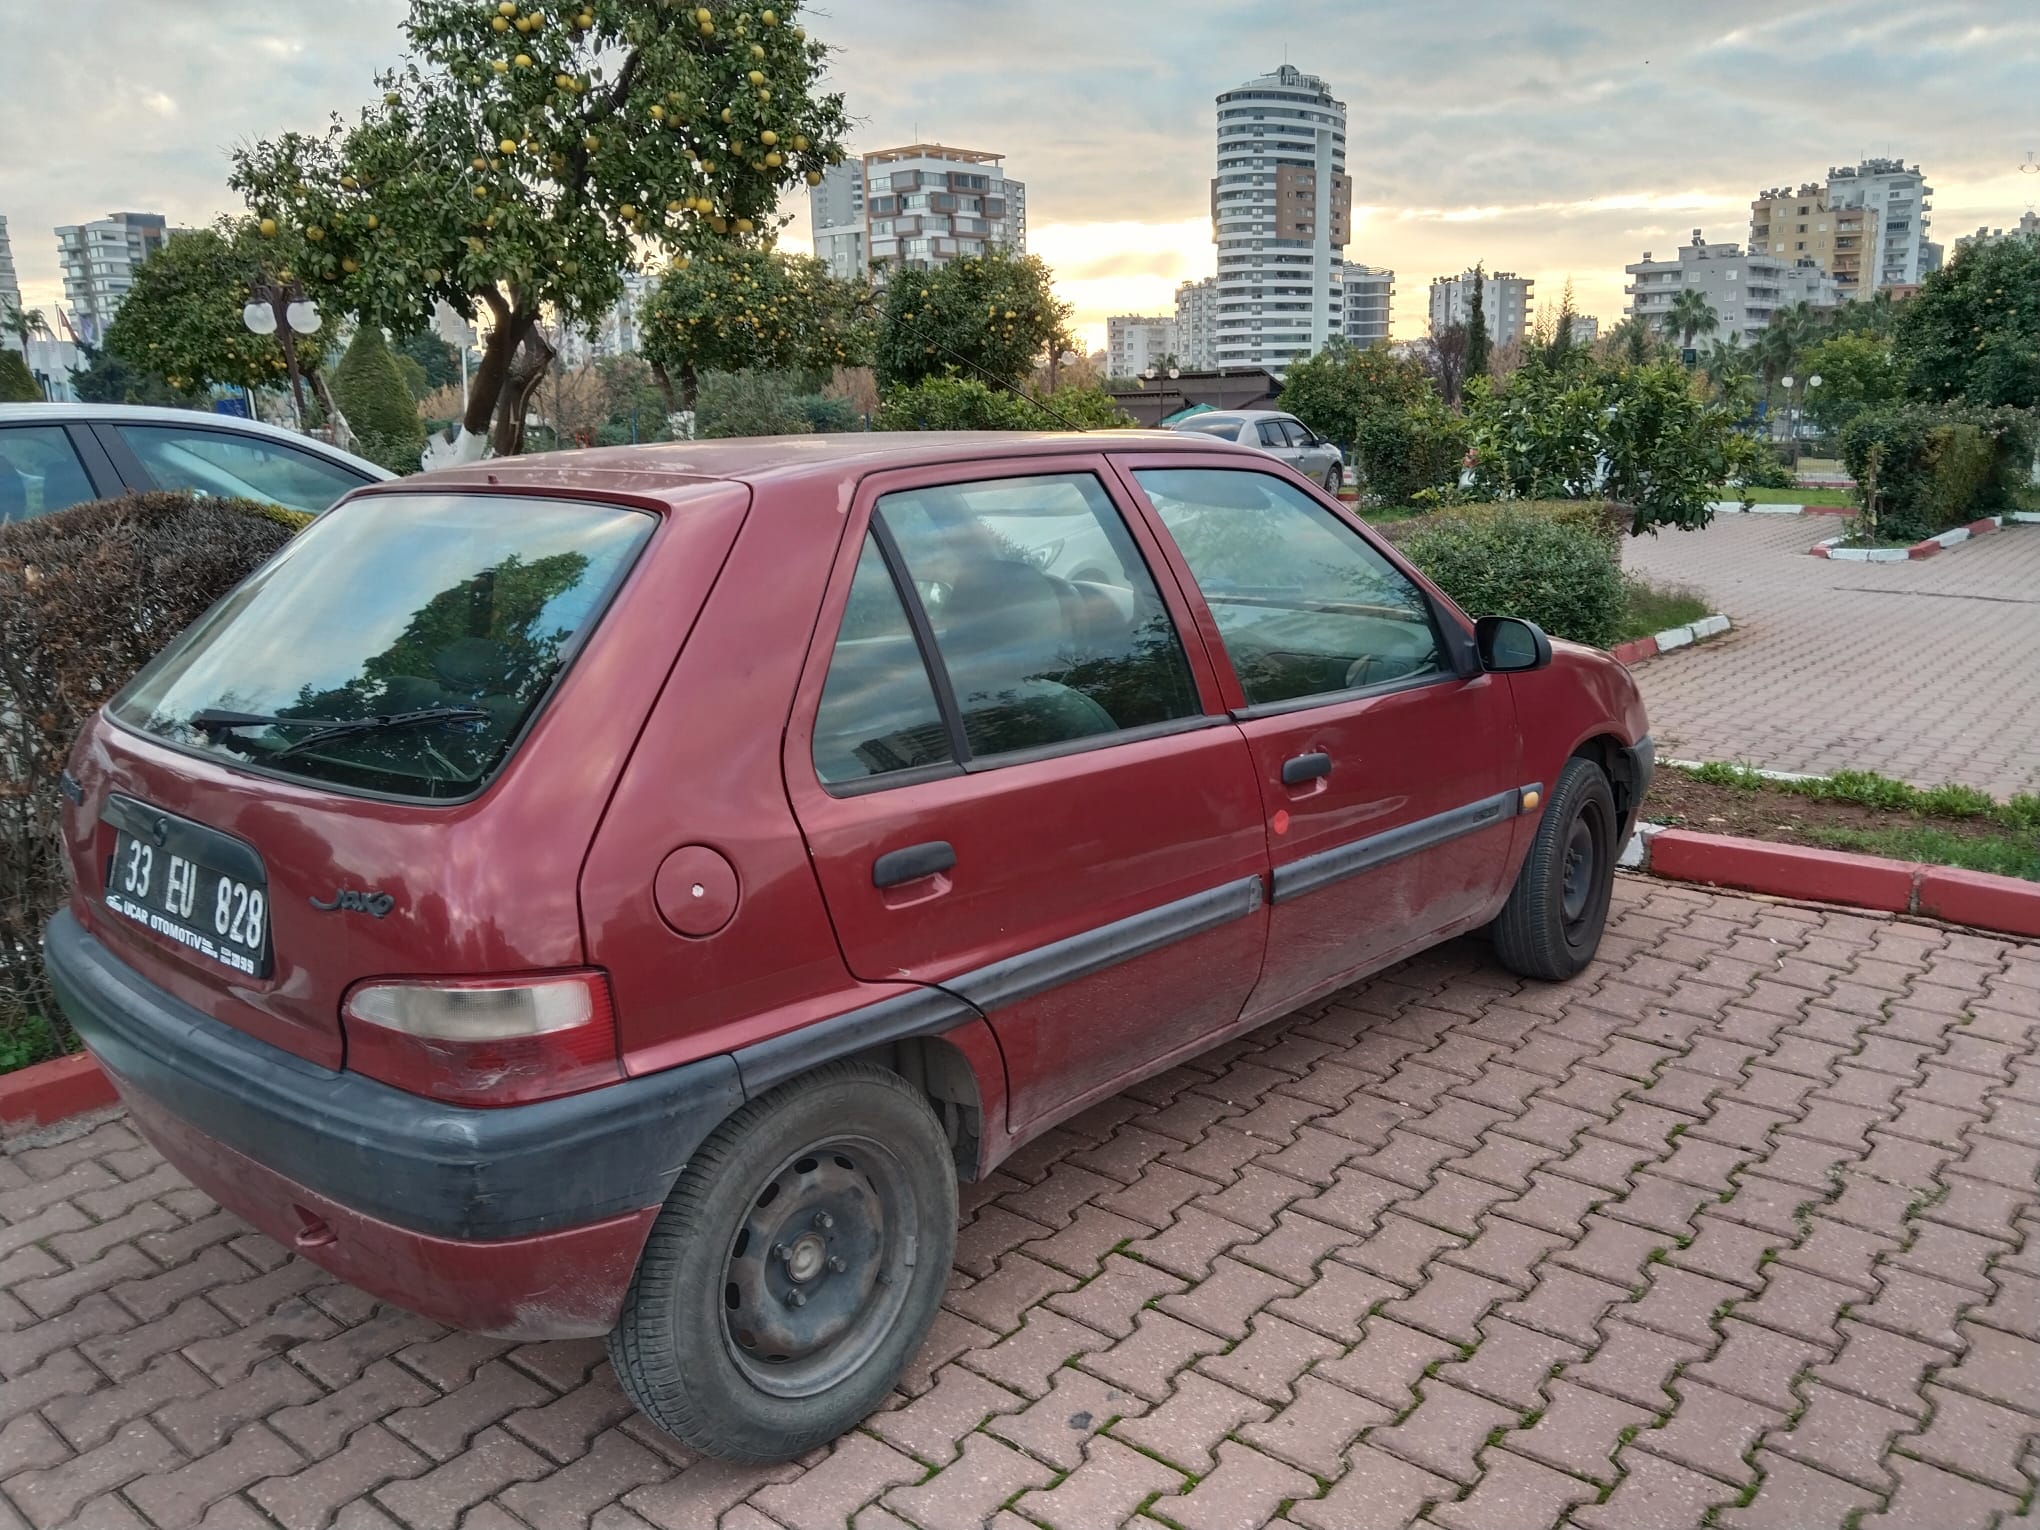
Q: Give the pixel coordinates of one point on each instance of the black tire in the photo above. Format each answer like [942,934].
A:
[1551,925]
[1334,479]
[716,1343]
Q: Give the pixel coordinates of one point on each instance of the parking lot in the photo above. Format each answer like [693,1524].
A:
[1740,1222]
[1919,670]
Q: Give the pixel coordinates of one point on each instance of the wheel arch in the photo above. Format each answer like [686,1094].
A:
[1616,763]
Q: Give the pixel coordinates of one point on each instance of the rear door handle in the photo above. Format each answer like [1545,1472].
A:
[1305,767]
[912,863]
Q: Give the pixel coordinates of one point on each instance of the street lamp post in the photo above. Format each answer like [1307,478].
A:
[283,310]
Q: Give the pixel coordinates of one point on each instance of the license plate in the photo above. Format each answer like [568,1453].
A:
[220,915]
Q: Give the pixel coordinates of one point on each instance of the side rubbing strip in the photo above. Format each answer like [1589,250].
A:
[1328,866]
[1064,961]
[930,1011]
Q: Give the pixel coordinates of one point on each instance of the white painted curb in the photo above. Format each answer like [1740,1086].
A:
[1832,548]
[2024,517]
[1737,507]
[1755,770]
[1635,855]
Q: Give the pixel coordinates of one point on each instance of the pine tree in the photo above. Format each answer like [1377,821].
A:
[1561,334]
[371,393]
[1478,346]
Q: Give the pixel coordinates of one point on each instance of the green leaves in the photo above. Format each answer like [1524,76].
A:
[738,308]
[987,317]
[182,319]
[1972,333]
[1403,438]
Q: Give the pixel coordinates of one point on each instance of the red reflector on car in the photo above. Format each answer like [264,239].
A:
[485,1041]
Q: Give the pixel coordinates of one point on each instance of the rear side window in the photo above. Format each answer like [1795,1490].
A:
[878,713]
[1044,620]
[398,645]
[39,472]
[1272,433]
[232,466]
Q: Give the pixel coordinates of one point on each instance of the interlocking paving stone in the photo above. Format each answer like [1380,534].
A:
[1743,1221]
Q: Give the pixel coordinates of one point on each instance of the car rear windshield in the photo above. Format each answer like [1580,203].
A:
[395,607]
[1229,429]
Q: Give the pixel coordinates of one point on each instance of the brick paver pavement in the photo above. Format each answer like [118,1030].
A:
[1922,671]
[1738,1228]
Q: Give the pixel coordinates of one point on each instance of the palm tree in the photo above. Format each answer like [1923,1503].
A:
[1725,361]
[1690,314]
[1777,350]
[22,323]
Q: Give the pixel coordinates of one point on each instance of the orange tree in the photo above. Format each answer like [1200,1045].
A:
[525,155]
[990,317]
[736,308]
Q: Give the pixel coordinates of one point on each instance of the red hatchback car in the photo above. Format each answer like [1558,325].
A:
[623,893]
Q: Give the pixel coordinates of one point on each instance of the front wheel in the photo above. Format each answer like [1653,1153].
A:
[795,1268]
[1551,925]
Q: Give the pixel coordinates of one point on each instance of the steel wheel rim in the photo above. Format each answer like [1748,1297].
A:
[1581,871]
[817,1269]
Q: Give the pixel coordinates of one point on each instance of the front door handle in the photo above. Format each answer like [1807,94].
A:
[912,863]
[1305,767]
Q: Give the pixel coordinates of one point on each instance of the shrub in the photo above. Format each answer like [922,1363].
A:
[963,403]
[1512,562]
[1384,407]
[87,596]
[1932,467]
[17,383]
[756,403]
[371,391]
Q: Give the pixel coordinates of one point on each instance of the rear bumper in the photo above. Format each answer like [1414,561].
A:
[524,1221]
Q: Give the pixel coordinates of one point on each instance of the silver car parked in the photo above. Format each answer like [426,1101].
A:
[1280,435]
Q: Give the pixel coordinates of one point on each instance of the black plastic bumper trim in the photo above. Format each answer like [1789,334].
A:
[446,1170]
[1341,861]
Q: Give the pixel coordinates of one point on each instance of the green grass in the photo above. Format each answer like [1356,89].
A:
[1649,608]
[31,1039]
[1383,513]
[1792,496]
[1868,789]
[2008,855]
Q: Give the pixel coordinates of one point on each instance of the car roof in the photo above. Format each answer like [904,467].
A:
[153,414]
[1241,415]
[662,471]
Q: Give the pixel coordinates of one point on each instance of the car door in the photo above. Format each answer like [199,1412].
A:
[1271,436]
[1025,788]
[232,464]
[1380,749]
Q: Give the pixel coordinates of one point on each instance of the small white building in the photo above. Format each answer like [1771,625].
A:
[1745,291]
[1134,342]
[1505,303]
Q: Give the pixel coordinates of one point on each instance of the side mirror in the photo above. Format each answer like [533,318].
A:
[1508,644]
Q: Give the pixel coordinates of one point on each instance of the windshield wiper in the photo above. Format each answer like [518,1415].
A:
[211,720]
[423,717]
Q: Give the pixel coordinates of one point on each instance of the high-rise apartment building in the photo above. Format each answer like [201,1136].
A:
[1744,289]
[1796,223]
[10,287]
[99,261]
[1281,213]
[922,205]
[1366,295]
[1197,324]
[1134,342]
[1894,199]
[1505,303]
[616,333]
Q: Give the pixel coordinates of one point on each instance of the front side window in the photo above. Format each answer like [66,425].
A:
[398,645]
[1305,605]
[231,466]
[39,472]
[1047,622]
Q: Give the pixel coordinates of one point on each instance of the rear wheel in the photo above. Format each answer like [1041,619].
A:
[794,1269]
[1334,479]
[1551,925]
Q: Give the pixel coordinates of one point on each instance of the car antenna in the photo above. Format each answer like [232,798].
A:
[1002,383]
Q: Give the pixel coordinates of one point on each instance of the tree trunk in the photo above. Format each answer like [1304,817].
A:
[690,385]
[665,383]
[526,372]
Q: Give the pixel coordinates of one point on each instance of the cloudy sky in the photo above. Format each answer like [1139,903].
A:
[1556,138]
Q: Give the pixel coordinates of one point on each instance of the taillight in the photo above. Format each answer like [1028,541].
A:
[485,1041]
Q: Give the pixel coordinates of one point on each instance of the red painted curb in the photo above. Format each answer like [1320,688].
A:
[49,1091]
[1827,509]
[1979,899]
[1784,871]
[1926,549]
[1635,651]
[1818,551]
[1982,528]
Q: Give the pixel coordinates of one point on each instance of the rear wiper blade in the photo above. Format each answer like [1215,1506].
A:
[423,717]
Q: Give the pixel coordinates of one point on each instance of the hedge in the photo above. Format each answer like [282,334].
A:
[87,596]
[1559,571]
[1931,467]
